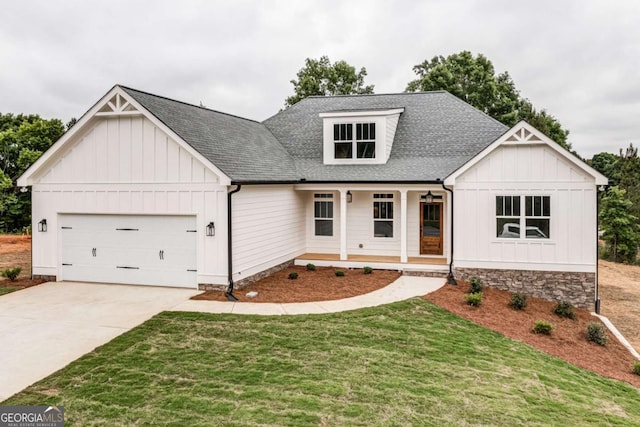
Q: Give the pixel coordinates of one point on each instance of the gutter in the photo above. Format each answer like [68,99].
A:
[229,292]
[450,279]
[305,181]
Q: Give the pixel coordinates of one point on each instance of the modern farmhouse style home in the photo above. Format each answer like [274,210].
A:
[147,190]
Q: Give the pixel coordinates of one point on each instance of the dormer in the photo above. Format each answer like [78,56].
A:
[357,137]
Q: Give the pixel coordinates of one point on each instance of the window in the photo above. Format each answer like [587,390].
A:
[537,213]
[382,215]
[509,219]
[323,214]
[364,143]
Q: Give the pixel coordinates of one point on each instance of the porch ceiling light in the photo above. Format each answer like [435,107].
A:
[349,196]
[211,229]
[428,197]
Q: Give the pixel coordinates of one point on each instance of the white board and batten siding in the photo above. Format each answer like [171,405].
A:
[128,166]
[527,170]
[268,228]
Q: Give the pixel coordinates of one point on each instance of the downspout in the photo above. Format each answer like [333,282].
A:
[597,297]
[229,292]
[450,279]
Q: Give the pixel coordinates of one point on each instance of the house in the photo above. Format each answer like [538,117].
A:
[147,190]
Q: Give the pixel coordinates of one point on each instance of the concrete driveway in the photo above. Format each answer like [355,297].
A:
[46,327]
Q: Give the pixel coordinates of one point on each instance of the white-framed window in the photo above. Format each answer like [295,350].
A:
[511,219]
[362,142]
[383,215]
[323,214]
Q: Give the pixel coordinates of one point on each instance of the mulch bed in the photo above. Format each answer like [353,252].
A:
[319,285]
[567,341]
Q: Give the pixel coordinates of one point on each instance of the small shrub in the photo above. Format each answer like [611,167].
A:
[11,273]
[636,368]
[339,273]
[518,301]
[565,309]
[476,285]
[596,333]
[542,327]
[293,275]
[474,299]
[311,267]
[367,270]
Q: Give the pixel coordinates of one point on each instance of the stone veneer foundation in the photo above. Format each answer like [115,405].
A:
[44,277]
[242,283]
[577,288]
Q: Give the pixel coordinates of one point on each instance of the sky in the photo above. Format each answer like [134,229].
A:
[578,60]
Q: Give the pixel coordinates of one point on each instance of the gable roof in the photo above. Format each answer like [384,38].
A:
[243,149]
[436,134]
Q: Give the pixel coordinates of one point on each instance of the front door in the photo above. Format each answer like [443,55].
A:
[431,228]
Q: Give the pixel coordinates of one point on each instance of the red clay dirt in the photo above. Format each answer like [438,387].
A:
[15,251]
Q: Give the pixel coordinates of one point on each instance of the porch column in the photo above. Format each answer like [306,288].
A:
[343,225]
[403,226]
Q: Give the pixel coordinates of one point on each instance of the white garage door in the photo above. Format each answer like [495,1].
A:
[129,249]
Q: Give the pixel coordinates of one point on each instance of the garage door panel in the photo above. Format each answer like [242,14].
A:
[146,250]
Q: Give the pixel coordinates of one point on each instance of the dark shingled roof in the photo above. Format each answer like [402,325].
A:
[436,134]
[243,149]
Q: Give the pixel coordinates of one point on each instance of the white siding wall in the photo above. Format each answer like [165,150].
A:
[268,228]
[127,165]
[125,149]
[526,170]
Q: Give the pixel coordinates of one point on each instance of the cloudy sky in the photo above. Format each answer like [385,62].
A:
[579,60]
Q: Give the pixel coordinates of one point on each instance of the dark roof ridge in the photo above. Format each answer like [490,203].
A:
[427,92]
[187,103]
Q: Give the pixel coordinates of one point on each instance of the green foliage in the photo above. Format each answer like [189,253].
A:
[11,273]
[518,301]
[542,327]
[311,267]
[474,299]
[476,285]
[319,77]
[339,273]
[636,368]
[293,275]
[606,164]
[473,79]
[619,226]
[596,333]
[565,309]
[367,270]
[628,166]
[22,140]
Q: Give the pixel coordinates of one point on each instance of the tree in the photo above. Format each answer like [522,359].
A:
[619,226]
[23,138]
[607,164]
[628,168]
[319,77]
[473,79]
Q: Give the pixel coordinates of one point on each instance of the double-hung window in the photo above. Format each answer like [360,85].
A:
[383,215]
[362,143]
[511,220]
[323,214]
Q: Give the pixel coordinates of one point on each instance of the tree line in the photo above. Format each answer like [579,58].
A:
[23,138]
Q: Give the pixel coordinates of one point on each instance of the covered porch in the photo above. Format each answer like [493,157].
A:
[384,226]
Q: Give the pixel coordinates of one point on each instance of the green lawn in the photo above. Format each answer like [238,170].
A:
[407,363]
[8,289]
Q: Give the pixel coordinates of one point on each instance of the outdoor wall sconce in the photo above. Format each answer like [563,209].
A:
[42,226]
[428,197]
[211,229]
[349,197]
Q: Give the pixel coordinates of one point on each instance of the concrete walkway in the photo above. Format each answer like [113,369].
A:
[404,288]
[45,327]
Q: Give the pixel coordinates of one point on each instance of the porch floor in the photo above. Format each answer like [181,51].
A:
[373,259]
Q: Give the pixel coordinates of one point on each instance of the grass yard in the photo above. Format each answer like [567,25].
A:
[8,289]
[408,363]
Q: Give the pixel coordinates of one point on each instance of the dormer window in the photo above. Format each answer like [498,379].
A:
[364,144]
[359,137]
